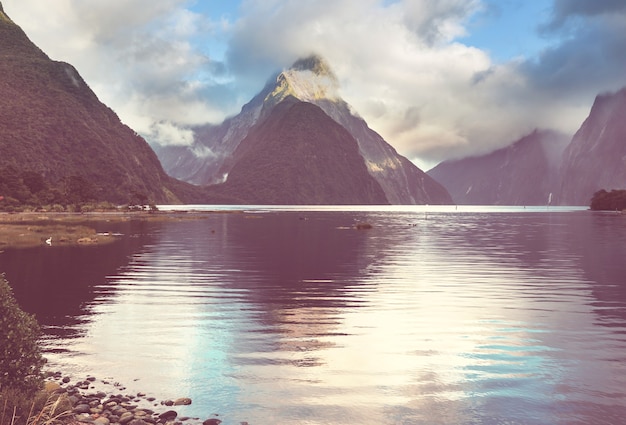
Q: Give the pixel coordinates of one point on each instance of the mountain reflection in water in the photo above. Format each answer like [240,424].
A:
[293,317]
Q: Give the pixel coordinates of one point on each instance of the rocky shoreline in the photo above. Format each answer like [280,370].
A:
[101,402]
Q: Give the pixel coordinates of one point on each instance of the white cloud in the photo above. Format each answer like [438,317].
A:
[139,56]
[400,64]
[167,133]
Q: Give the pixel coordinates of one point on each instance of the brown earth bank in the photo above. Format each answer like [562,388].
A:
[31,229]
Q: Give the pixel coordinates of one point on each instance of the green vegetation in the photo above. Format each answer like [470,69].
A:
[29,191]
[20,356]
[53,124]
[615,200]
[24,400]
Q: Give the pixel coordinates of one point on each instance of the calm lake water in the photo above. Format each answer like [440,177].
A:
[433,316]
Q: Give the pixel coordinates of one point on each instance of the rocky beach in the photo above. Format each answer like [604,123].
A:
[105,402]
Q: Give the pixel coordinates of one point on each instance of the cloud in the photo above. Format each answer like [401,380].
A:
[163,66]
[589,56]
[566,11]
[141,57]
[402,67]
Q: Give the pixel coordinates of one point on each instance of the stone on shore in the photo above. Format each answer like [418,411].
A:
[126,417]
[184,401]
[99,407]
[82,408]
[138,422]
[101,420]
[170,415]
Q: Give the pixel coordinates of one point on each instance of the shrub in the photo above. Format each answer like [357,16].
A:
[20,355]
[615,200]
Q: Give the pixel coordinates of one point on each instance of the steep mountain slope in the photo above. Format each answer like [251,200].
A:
[596,157]
[309,80]
[52,123]
[299,155]
[525,173]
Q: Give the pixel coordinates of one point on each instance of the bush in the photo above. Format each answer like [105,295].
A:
[615,200]
[20,355]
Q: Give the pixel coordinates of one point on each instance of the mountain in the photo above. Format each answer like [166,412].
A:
[596,157]
[210,159]
[52,123]
[524,173]
[268,167]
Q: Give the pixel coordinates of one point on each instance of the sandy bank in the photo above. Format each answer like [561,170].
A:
[30,229]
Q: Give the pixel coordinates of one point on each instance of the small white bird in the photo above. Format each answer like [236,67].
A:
[49,240]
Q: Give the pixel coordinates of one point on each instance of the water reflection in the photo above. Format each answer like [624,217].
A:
[56,284]
[293,317]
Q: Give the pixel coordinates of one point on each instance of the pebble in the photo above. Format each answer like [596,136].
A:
[101,420]
[102,408]
[182,401]
[126,417]
[168,416]
[82,408]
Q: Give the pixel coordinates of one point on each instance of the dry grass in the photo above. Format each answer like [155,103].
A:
[28,235]
[43,409]
[55,410]
[33,229]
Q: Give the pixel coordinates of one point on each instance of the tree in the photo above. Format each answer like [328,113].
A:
[34,181]
[78,190]
[140,198]
[20,355]
[615,200]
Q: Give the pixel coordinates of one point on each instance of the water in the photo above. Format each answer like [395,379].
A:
[433,316]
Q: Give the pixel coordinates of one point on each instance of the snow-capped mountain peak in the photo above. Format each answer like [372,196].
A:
[308,79]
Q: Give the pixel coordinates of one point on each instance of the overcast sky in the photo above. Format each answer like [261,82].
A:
[437,79]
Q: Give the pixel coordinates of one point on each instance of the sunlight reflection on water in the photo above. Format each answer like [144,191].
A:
[444,317]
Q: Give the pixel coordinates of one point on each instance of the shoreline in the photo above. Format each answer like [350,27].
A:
[102,402]
[33,229]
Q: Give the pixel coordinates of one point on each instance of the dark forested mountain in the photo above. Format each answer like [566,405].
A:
[596,157]
[299,155]
[53,125]
[525,173]
[211,159]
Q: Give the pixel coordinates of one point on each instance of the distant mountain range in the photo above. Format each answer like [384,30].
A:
[214,157]
[525,173]
[296,142]
[543,167]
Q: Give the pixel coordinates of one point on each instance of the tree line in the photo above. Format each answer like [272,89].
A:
[22,190]
[615,200]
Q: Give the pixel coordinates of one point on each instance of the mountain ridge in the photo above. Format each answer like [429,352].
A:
[264,170]
[53,124]
[523,173]
[592,160]
[596,157]
[310,80]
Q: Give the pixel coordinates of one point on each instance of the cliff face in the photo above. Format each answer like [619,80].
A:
[309,80]
[53,124]
[525,173]
[596,157]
